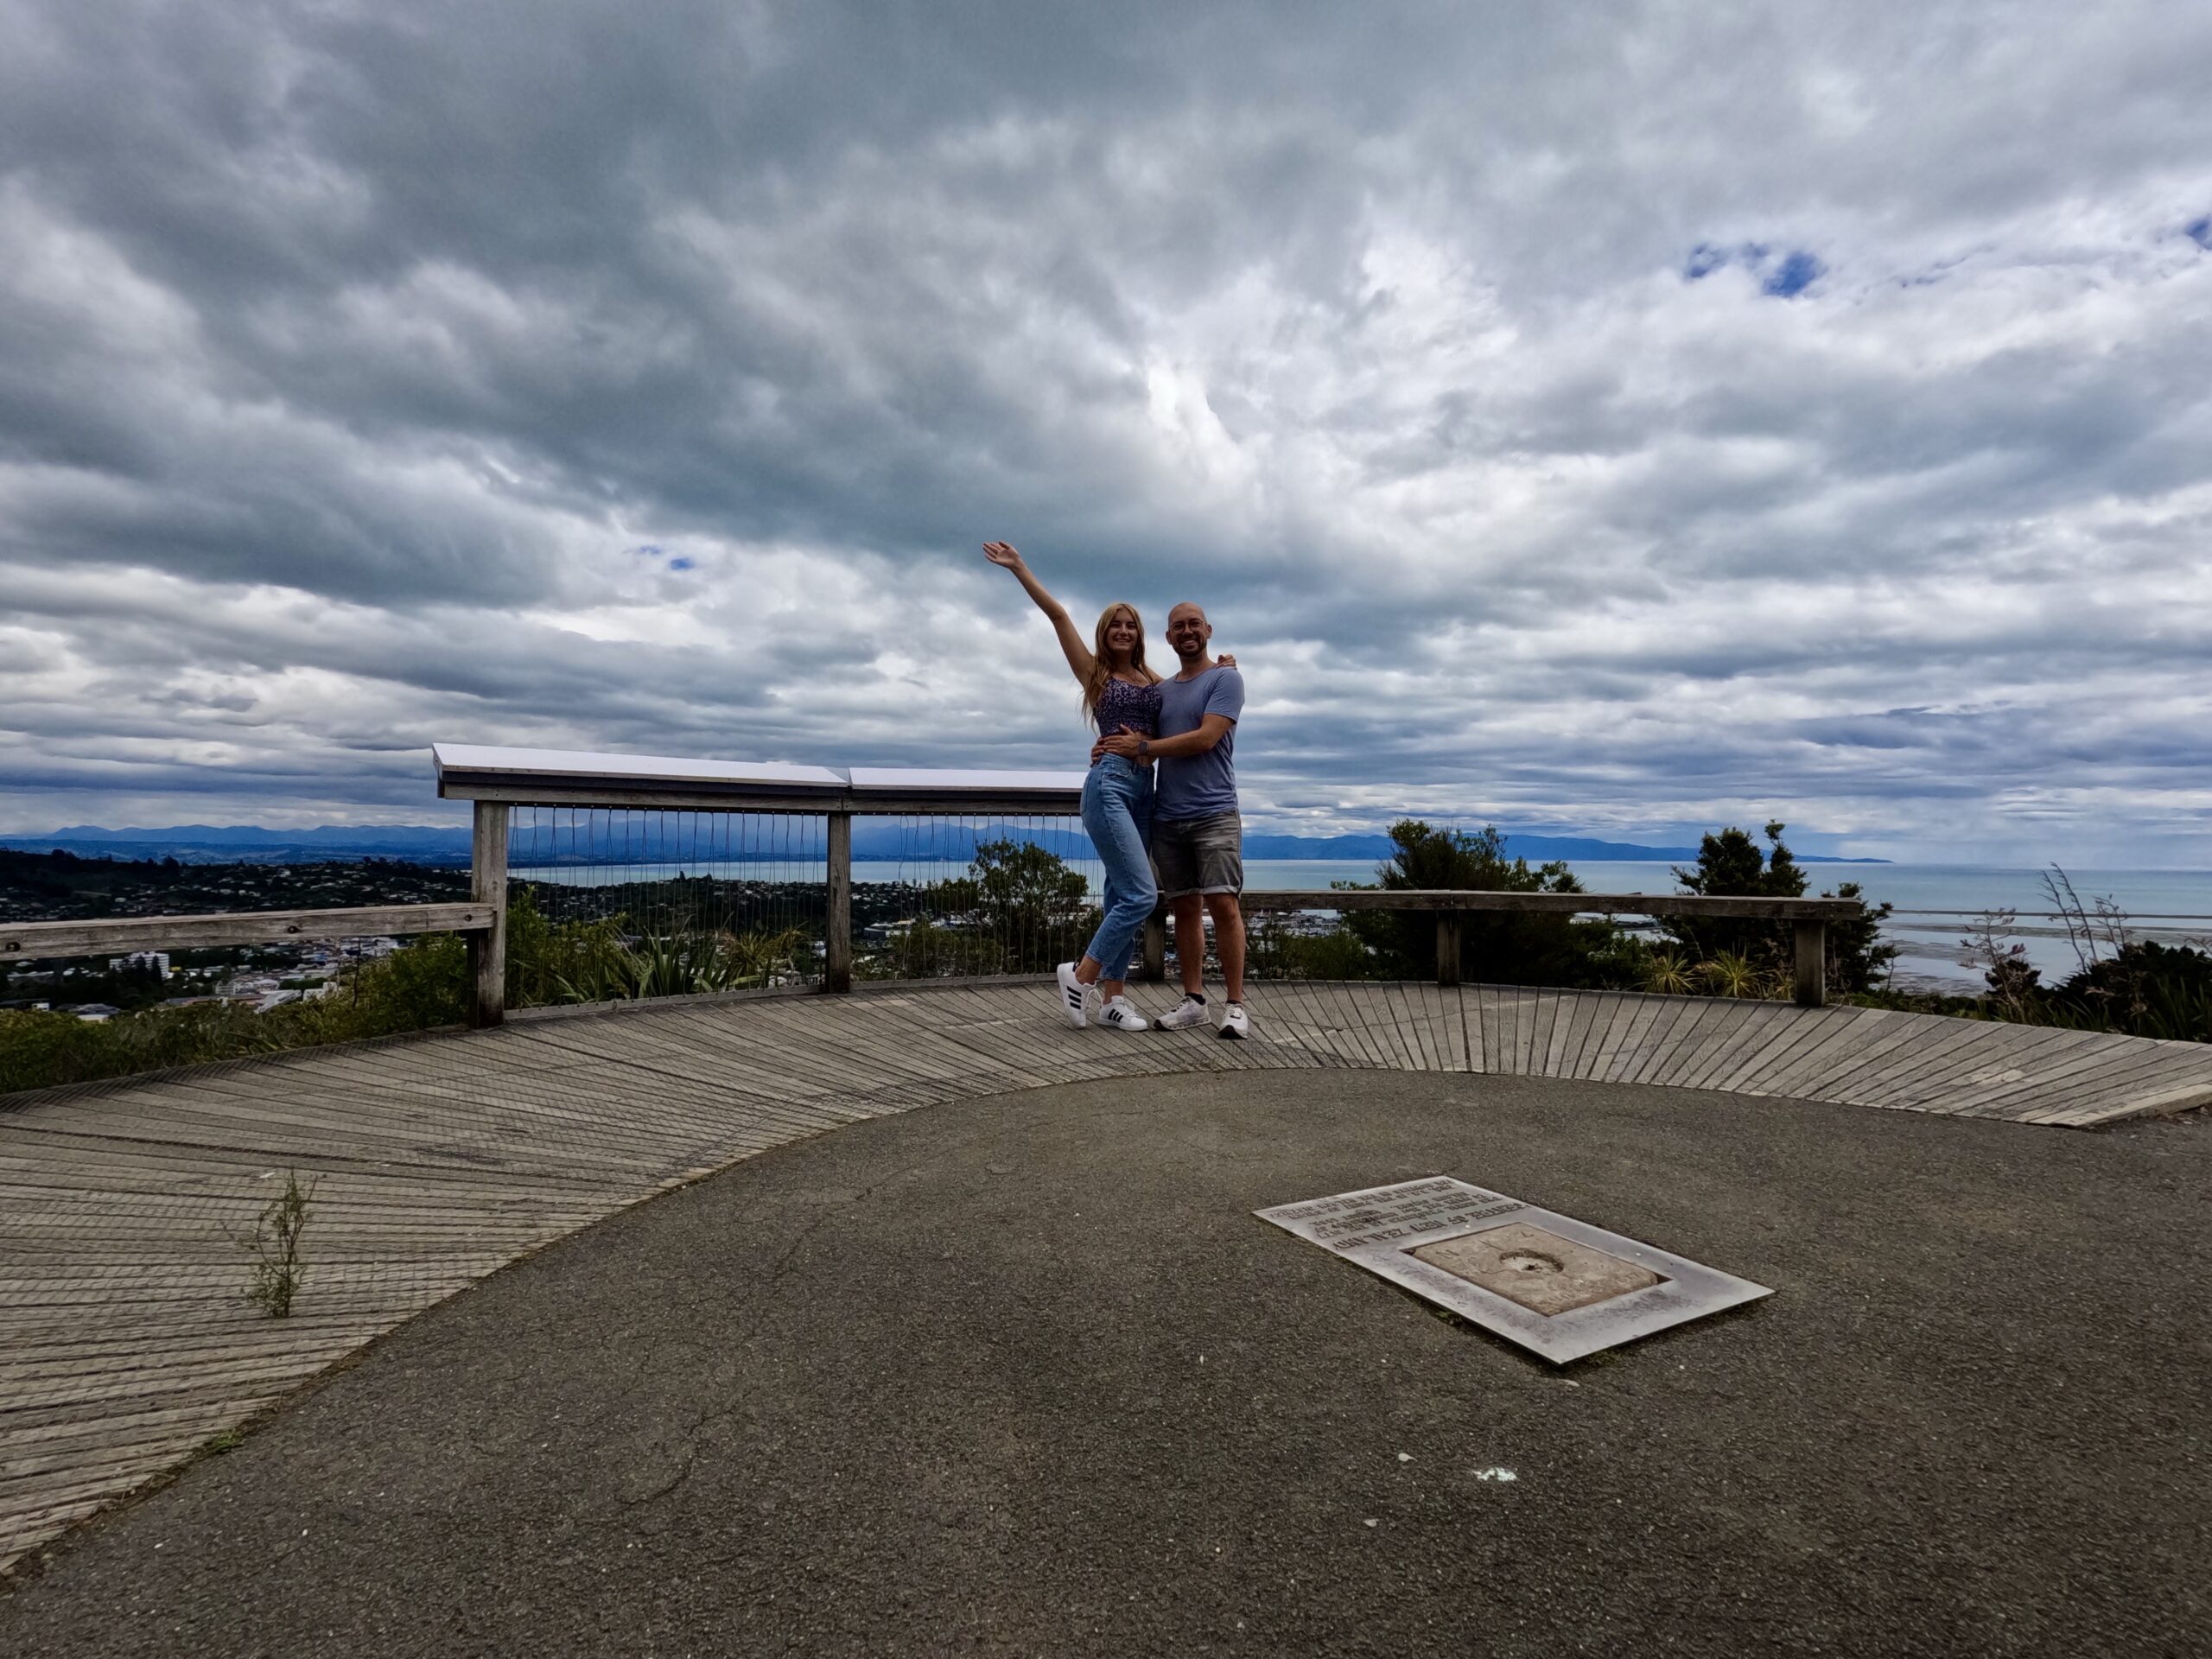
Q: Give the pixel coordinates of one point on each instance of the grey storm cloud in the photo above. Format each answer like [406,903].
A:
[1625,417]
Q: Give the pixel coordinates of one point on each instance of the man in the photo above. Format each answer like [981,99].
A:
[1198,839]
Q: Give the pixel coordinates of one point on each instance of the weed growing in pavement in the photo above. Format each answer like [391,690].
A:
[274,1244]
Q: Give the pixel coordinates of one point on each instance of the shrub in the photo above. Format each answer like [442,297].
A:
[2135,987]
[419,986]
[558,961]
[1493,947]
[2146,989]
[596,960]
[929,950]
[1270,952]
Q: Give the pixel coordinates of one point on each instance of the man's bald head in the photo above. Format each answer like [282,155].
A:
[1188,632]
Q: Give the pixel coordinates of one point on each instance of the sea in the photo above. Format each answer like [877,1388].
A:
[1935,905]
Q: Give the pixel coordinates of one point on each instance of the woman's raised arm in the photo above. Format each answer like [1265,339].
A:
[1077,653]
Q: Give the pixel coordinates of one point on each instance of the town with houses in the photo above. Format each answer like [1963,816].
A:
[315,970]
[59,886]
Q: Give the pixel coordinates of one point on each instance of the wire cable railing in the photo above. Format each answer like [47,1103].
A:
[606,901]
[650,874]
[937,896]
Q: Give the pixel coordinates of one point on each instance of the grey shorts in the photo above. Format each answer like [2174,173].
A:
[1198,855]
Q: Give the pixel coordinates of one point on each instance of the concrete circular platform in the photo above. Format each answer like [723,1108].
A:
[1023,1375]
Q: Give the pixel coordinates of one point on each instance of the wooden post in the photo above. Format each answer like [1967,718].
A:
[1155,947]
[487,886]
[1448,930]
[1812,964]
[837,930]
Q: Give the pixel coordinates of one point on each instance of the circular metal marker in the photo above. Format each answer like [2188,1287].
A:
[1530,1261]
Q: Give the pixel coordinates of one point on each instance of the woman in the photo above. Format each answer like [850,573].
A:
[1119,693]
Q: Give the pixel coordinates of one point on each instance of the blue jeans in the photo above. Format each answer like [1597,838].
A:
[1117,812]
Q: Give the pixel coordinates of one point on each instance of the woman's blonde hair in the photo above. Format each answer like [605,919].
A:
[1101,662]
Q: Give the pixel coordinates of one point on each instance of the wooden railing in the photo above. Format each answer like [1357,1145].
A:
[498,780]
[30,941]
[1451,906]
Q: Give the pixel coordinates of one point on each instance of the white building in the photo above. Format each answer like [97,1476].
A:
[157,960]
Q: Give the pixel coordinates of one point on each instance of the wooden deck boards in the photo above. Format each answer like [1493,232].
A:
[124,1342]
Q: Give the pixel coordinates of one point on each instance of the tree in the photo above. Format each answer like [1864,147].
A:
[1023,898]
[1856,958]
[1495,948]
[1732,865]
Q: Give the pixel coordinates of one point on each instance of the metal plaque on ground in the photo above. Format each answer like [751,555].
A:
[1547,1281]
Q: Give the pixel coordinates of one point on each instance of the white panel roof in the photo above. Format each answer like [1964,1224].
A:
[645,768]
[570,765]
[943,778]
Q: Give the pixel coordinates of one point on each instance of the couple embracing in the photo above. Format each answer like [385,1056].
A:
[1184,826]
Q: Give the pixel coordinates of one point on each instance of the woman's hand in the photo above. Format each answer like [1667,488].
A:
[1002,554]
[1225,660]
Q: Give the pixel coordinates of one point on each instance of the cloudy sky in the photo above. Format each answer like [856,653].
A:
[1623,419]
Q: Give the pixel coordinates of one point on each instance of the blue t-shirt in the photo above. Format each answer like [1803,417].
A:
[1198,785]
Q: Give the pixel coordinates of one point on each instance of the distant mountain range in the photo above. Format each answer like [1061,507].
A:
[243,843]
[656,841]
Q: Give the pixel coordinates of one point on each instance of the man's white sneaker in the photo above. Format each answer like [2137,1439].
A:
[1234,1024]
[1072,991]
[1189,1012]
[1119,1015]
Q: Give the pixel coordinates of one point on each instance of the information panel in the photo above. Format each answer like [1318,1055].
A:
[1553,1284]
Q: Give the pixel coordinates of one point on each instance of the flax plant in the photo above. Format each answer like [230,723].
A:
[1730,974]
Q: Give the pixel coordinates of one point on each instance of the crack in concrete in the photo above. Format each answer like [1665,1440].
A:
[689,1456]
[687,1452]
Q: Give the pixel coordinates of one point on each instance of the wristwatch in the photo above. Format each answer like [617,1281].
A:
[1144,748]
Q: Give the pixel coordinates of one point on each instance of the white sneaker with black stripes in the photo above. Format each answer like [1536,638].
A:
[1072,992]
[1120,1015]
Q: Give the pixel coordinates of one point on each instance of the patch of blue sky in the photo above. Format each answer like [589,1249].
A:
[1797,271]
[679,563]
[1707,257]
[1704,260]
[2200,231]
